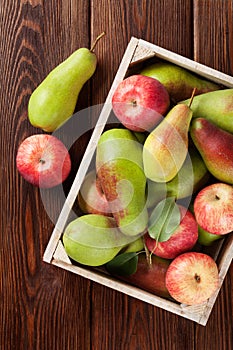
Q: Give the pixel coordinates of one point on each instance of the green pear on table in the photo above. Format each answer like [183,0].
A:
[93,239]
[216,106]
[53,102]
[178,81]
[120,172]
[192,176]
[166,147]
[216,148]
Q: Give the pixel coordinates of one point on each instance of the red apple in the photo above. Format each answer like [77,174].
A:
[43,160]
[183,238]
[150,277]
[213,208]
[192,278]
[91,198]
[140,102]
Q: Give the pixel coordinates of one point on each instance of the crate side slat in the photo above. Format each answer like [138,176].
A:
[226,257]
[206,72]
[62,219]
[223,265]
[130,290]
[141,53]
[60,253]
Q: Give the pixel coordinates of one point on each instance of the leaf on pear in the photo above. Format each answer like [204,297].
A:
[164,220]
[124,264]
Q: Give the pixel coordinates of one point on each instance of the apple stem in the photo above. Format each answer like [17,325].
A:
[42,161]
[96,41]
[192,97]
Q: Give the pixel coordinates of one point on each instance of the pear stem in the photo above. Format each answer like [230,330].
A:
[191,99]
[148,255]
[96,41]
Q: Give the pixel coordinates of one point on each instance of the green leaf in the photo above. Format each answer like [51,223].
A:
[124,264]
[164,220]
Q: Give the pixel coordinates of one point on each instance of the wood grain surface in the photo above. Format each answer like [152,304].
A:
[43,307]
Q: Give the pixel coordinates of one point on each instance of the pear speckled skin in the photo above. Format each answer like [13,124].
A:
[53,102]
[216,148]
[216,106]
[120,172]
[178,81]
[166,147]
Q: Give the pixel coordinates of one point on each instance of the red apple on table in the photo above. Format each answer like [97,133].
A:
[213,208]
[192,278]
[43,160]
[91,198]
[182,239]
[140,102]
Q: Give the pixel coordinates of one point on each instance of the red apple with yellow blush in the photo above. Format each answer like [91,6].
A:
[213,208]
[192,278]
[140,102]
[43,160]
[182,239]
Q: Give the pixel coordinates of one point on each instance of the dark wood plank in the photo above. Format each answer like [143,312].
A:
[213,46]
[167,23]
[213,36]
[124,322]
[42,307]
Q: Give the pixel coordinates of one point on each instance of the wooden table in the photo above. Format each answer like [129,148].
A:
[44,307]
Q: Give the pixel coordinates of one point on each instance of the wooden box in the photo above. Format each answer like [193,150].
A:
[136,54]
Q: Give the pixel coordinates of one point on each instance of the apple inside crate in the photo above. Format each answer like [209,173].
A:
[138,55]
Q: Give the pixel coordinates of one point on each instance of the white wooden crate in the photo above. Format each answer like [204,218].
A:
[136,53]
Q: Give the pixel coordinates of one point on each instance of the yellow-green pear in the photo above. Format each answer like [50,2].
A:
[192,176]
[120,172]
[53,102]
[166,147]
[93,239]
[216,106]
[178,81]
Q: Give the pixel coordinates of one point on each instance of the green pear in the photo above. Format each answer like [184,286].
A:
[140,136]
[166,147]
[216,148]
[192,176]
[206,238]
[216,106]
[93,239]
[53,102]
[156,191]
[121,175]
[178,81]
[135,246]
[91,198]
